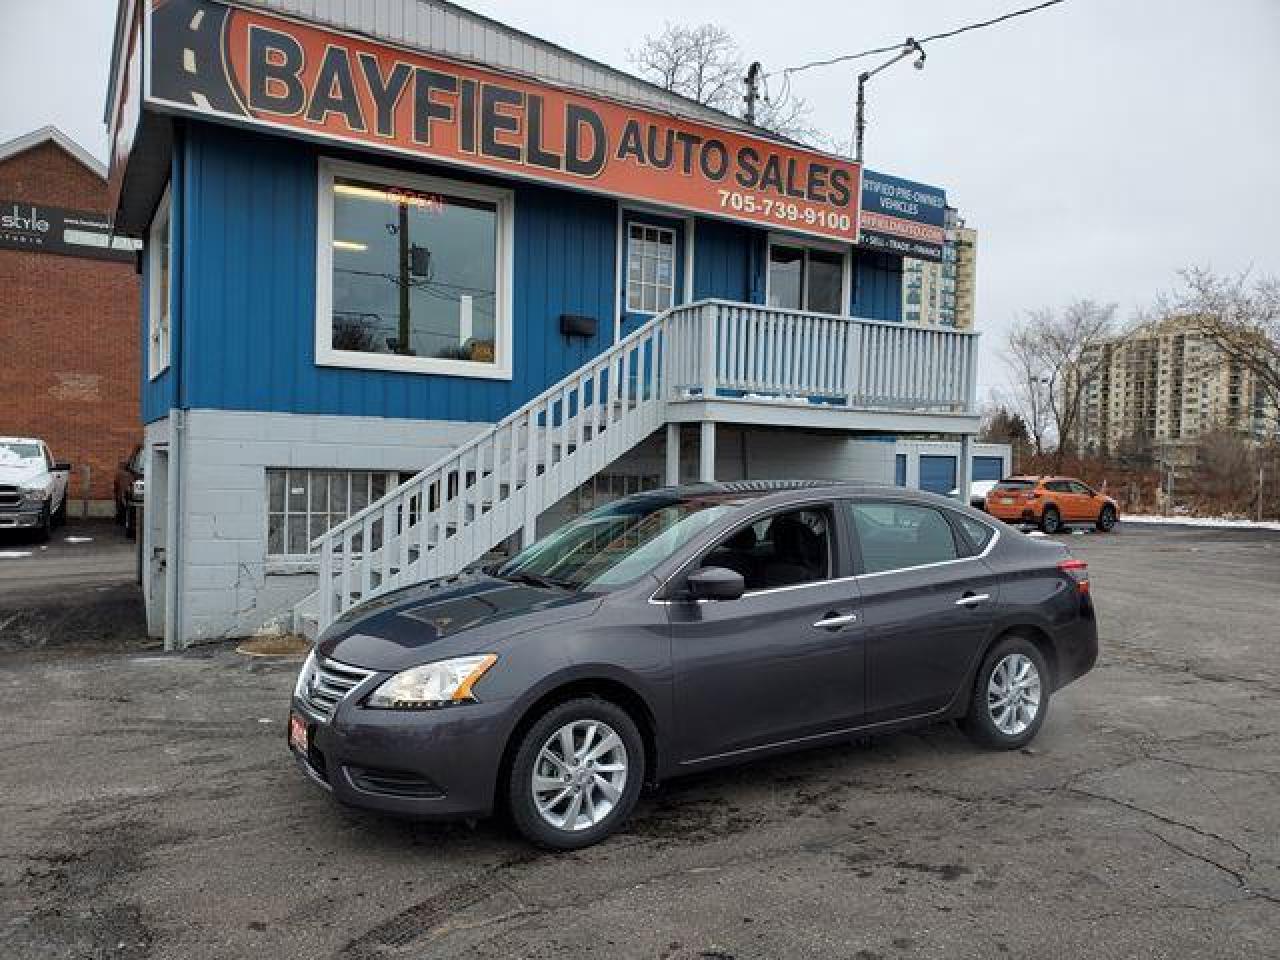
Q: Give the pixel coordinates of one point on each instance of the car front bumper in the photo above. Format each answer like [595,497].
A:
[426,764]
[21,518]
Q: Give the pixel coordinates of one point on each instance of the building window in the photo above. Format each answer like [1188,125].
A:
[158,292]
[651,268]
[413,273]
[807,278]
[304,504]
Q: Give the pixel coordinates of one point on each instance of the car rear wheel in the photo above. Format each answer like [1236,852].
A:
[1010,696]
[1051,520]
[1107,518]
[576,775]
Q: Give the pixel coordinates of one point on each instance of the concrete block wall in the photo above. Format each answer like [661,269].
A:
[230,588]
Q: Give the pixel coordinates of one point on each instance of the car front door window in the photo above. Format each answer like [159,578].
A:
[760,669]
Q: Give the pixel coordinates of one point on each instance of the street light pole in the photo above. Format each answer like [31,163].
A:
[859,115]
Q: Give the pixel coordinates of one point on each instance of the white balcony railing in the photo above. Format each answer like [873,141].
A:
[722,349]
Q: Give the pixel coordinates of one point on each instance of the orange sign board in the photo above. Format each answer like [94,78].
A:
[221,61]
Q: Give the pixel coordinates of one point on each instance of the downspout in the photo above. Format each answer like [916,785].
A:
[175,625]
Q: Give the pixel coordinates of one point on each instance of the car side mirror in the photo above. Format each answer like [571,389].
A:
[716,583]
[62,465]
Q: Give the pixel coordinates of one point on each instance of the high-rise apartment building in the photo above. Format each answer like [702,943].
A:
[1162,386]
[941,294]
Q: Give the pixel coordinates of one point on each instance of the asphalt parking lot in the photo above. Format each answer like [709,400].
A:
[149,809]
[76,592]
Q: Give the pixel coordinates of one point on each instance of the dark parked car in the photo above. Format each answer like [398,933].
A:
[680,630]
[129,489]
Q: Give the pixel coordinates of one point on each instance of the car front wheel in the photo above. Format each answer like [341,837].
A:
[1107,518]
[576,775]
[1010,697]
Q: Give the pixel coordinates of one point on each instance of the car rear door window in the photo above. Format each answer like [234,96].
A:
[1080,488]
[786,549]
[894,536]
[1058,486]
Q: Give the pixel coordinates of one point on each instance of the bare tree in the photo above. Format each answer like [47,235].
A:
[1028,383]
[704,63]
[1225,480]
[1241,317]
[1071,342]
[1053,357]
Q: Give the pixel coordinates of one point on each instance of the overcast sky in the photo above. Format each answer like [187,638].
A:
[1097,146]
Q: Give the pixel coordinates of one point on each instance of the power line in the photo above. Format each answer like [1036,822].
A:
[889,48]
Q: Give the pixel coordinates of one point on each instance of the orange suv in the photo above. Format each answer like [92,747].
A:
[1051,503]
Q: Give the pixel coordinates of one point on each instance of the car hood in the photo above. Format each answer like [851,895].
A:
[22,471]
[443,618]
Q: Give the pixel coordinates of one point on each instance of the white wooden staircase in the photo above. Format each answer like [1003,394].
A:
[451,514]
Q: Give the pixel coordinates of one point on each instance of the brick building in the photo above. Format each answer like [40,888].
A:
[69,356]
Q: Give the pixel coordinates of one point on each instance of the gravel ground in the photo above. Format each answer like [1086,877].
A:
[148,809]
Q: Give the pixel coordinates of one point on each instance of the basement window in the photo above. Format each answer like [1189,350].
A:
[413,273]
[159,296]
[305,504]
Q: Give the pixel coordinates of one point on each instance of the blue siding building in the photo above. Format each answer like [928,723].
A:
[458,302]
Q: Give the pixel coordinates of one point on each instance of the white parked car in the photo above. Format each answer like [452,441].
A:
[33,486]
[978,490]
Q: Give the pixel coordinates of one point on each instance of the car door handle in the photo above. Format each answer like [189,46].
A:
[972,599]
[834,621]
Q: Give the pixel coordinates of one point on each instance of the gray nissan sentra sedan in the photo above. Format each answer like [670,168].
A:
[681,630]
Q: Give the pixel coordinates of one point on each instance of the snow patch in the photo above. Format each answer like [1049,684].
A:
[1216,522]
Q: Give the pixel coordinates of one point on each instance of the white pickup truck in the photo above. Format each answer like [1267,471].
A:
[33,486]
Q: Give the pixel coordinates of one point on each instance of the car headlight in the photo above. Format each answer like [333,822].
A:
[304,675]
[137,489]
[36,492]
[440,684]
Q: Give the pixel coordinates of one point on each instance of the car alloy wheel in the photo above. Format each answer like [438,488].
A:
[1013,695]
[1107,519]
[576,774]
[1010,696]
[1051,520]
[580,775]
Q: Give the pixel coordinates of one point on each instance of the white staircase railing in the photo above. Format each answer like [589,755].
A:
[452,513]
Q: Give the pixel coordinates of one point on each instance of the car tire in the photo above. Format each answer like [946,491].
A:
[130,523]
[60,515]
[45,529]
[120,511]
[1107,519]
[1013,665]
[1051,520]
[542,751]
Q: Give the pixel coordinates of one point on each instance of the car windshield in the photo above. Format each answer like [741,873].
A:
[1015,485]
[17,450]
[616,543]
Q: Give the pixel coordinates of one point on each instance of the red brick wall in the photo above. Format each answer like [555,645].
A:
[69,354]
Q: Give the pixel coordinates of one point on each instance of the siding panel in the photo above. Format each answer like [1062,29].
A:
[251,263]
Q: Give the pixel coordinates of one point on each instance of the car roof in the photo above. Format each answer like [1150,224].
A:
[784,491]
[20,440]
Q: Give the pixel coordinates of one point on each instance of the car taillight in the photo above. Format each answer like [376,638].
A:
[1078,571]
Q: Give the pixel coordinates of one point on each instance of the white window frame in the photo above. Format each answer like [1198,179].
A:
[504,201]
[806,244]
[393,478]
[626,268]
[159,296]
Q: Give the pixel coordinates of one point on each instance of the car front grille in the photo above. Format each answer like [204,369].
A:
[10,496]
[329,684]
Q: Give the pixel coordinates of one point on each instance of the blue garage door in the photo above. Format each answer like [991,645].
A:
[988,468]
[900,469]
[938,474]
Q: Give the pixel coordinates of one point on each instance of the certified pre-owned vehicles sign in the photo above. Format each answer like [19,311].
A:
[251,67]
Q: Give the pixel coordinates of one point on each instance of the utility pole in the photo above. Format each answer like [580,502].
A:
[909,47]
[402,347]
[753,90]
